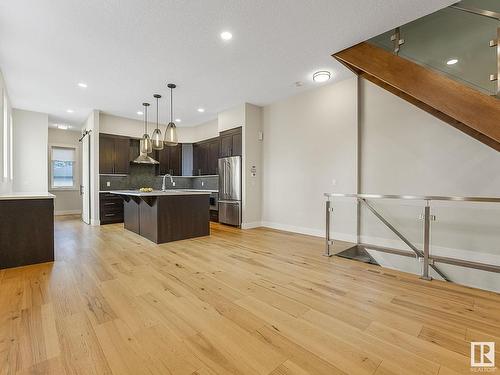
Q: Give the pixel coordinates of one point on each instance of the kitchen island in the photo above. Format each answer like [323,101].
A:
[165,216]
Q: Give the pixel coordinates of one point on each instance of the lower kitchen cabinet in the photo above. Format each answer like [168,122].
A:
[214,216]
[110,208]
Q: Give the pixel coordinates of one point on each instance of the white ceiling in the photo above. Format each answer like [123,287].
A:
[127,50]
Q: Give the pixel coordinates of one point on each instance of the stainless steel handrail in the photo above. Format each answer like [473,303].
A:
[479,12]
[417,197]
[428,260]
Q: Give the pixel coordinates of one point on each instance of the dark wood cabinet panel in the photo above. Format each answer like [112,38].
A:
[106,154]
[206,157]
[114,154]
[213,156]
[110,208]
[231,143]
[122,162]
[237,144]
[170,159]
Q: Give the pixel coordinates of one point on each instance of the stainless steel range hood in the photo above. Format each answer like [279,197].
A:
[145,159]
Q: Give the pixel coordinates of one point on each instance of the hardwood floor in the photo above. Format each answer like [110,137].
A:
[238,302]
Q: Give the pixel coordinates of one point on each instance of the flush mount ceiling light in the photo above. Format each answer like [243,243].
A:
[177,120]
[171,132]
[226,35]
[156,137]
[321,76]
[201,110]
[63,127]
[83,85]
[140,113]
[70,111]
[451,61]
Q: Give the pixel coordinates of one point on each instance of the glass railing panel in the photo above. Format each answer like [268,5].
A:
[453,42]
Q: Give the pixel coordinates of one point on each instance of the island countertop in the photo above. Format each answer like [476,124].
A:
[26,195]
[158,193]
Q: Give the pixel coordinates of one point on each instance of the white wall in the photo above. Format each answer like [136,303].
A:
[231,118]
[5,139]
[30,136]
[405,150]
[135,128]
[93,124]
[309,140]
[67,201]
[252,160]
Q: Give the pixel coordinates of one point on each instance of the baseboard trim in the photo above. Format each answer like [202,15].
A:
[310,231]
[67,212]
[255,224]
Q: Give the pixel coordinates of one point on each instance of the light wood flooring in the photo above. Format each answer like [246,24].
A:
[238,302]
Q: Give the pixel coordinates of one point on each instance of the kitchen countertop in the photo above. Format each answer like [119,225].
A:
[158,193]
[26,195]
[182,190]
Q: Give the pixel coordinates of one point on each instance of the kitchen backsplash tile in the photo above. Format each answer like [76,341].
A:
[143,175]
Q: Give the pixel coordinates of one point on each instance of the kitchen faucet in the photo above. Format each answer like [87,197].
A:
[163,187]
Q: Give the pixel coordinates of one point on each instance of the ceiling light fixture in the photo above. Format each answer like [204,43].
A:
[321,76]
[140,113]
[178,120]
[83,85]
[171,132]
[146,146]
[63,127]
[452,61]
[70,111]
[156,137]
[226,35]
[201,110]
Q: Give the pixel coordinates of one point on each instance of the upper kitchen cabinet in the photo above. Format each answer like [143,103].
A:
[113,154]
[205,157]
[170,159]
[230,143]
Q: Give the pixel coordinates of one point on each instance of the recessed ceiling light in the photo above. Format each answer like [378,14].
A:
[63,127]
[201,109]
[70,111]
[451,62]
[177,120]
[226,35]
[140,113]
[321,76]
[83,85]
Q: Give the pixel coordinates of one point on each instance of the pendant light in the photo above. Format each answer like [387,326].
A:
[146,146]
[171,132]
[145,143]
[156,137]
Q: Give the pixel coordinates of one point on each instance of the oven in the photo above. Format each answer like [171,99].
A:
[214,201]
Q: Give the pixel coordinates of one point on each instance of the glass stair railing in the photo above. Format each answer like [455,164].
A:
[461,41]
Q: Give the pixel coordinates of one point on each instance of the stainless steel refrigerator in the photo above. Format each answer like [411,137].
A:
[230,190]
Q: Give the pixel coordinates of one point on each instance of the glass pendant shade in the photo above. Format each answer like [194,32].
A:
[171,135]
[156,137]
[146,146]
[156,140]
[171,132]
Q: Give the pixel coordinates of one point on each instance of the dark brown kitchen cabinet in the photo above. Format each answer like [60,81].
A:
[206,157]
[110,208]
[113,154]
[231,143]
[170,159]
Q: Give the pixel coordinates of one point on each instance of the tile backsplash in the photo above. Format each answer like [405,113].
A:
[143,175]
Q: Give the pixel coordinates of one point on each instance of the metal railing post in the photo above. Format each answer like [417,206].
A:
[427,238]
[328,242]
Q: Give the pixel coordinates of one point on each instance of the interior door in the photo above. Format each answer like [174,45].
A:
[85,187]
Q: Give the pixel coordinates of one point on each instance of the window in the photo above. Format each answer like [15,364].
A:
[63,167]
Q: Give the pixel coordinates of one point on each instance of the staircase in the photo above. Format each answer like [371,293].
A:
[416,63]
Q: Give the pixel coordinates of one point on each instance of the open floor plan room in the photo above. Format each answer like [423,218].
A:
[255,187]
[254,302]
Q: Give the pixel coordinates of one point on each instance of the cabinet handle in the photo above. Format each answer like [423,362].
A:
[109,204]
[107,215]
